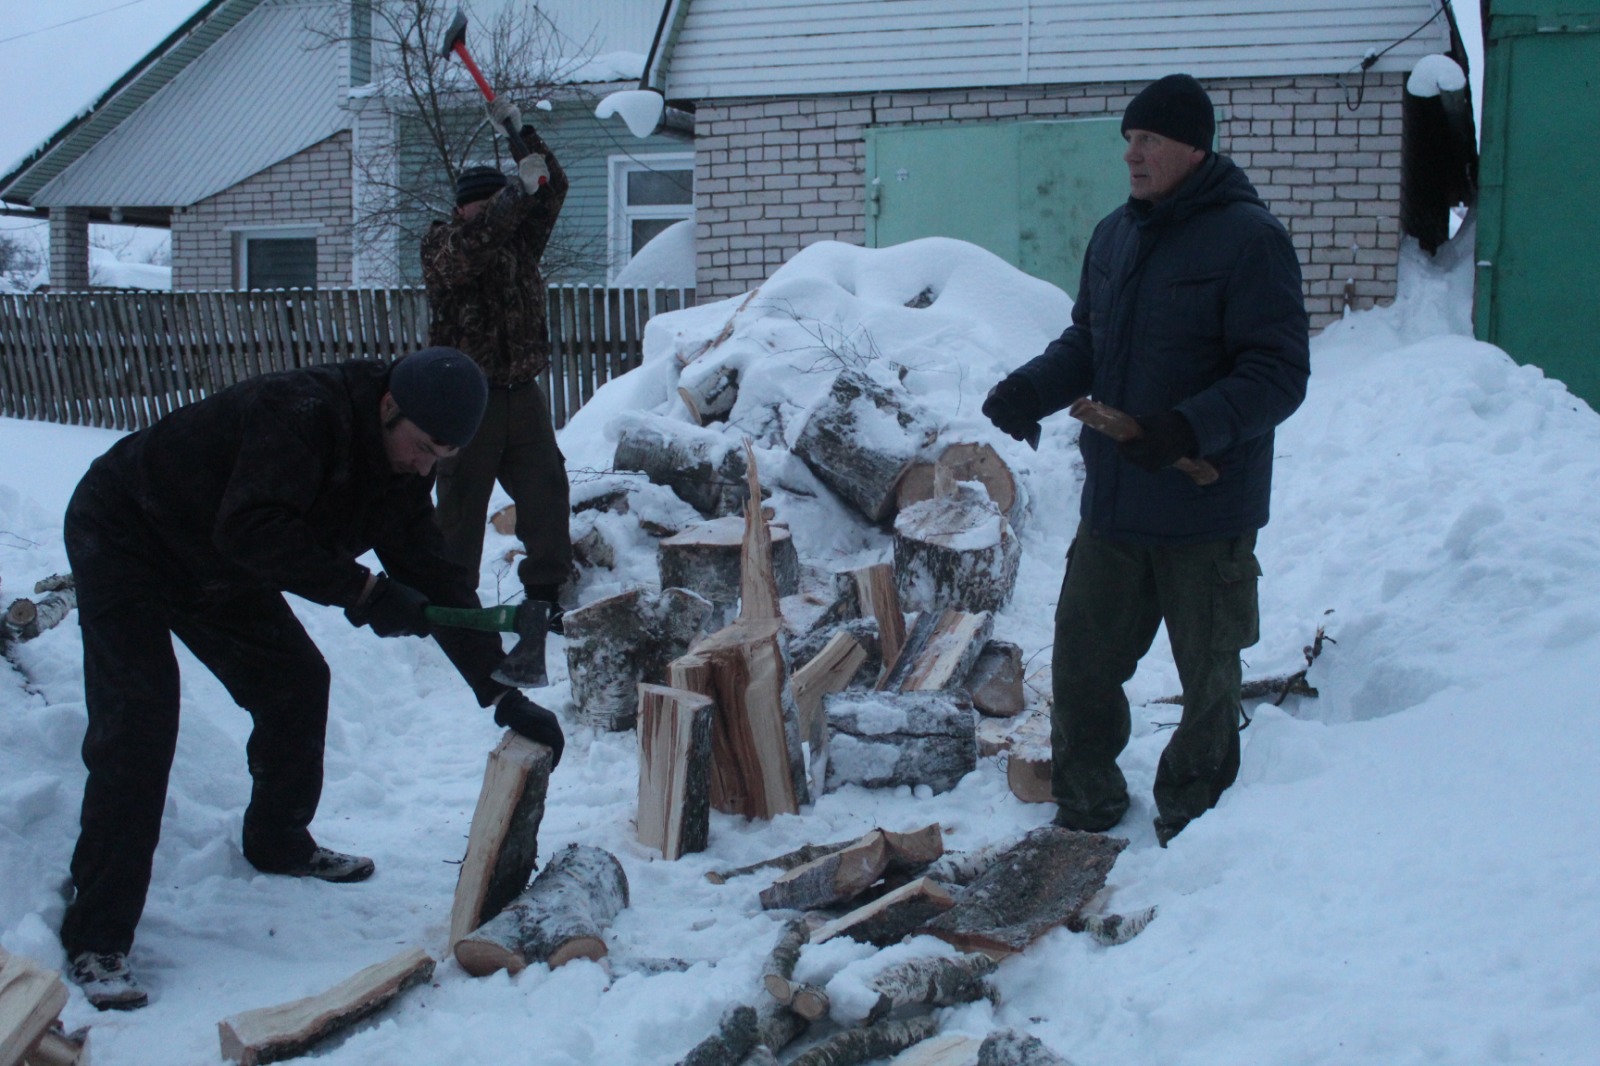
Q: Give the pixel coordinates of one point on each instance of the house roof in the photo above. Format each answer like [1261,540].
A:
[711,49]
[241,85]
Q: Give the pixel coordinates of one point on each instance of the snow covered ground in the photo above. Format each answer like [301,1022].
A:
[1404,873]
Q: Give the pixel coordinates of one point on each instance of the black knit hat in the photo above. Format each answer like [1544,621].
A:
[478,183]
[1176,107]
[442,392]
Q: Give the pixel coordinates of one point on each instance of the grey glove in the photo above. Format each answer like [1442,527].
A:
[504,113]
[533,171]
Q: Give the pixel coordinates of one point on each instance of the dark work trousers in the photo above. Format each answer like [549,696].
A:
[1113,599]
[516,446]
[257,648]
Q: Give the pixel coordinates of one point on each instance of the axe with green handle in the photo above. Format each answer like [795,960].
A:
[523,666]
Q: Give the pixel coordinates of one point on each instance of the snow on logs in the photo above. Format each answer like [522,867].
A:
[702,466]
[706,558]
[615,643]
[955,550]
[559,918]
[861,438]
[883,740]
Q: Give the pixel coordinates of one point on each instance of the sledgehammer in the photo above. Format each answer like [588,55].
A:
[455,40]
[523,666]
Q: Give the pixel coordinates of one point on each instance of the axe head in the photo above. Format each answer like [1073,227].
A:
[523,666]
[456,34]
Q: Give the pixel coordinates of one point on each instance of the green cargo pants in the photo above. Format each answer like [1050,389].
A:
[1113,599]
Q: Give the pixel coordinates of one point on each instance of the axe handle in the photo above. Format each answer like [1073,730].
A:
[519,147]
[1121,426]
[501,619]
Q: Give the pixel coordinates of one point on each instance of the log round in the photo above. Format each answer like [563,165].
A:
[883,740]
[704,468]
[955,551]
[860,440]
[559,918]
[705,559]
[615,643]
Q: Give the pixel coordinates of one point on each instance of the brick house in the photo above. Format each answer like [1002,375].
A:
[997,121]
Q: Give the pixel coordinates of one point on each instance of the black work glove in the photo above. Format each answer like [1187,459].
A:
[392,609]
[1013,406]
[1167,438]
[521,715]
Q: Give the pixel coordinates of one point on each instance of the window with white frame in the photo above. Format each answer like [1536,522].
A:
[277,257]
[648,194]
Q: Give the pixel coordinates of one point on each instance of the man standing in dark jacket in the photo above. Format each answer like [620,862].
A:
[196,527]
[487,298]
[1189,317]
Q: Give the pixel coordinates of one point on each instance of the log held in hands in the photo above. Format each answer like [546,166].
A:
[1121,426]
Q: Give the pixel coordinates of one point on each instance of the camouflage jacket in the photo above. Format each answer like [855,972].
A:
[485,293]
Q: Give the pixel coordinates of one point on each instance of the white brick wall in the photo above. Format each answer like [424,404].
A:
[773,176]
[310,188]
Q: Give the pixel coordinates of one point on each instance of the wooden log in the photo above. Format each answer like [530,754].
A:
[615,643]
[25,619]
[852,1047]
[756,765]
[1028,732]
[776,1028]
[778,969]
[833,878]
[709,392]
[995,681]
[504,520]
[961,461]
[830,671]
[1011,1048]
[810,1002]
[940,652]
[736,1037]
[707,558]
[962,868]
[559,918]
[945,1049]
[674,770]
[860,439]
[1028,775]
[1110,930]
[938,980]
[787,861]
[758,585]
[890,918]
[878,598]
[882,740]
[288,1030]
[955,551]
[702,467]
[57,1048]
[30,999]
[915,849]
[503,843]
[1041,883]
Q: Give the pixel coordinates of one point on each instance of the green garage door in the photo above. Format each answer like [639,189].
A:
[1030,192]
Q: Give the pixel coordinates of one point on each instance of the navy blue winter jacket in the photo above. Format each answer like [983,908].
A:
[1193,304]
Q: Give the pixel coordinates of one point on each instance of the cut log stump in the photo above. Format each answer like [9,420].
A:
[955,551]
[882,740]
[706,558]
[503,844]
[559,918]
[860,440]
[674,770]
[288,1030]
[615,643]
[702,467]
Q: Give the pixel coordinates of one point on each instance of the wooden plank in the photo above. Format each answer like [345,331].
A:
[69,346]
[225,325]
[30,999]
[285,1031]
[829,671]
[48,328]
[11,356]
[674,729]
[184,356]
[102,357]
[634,315]
[155,315]
[585,347]
[616,356]
[503,843]
[28,338]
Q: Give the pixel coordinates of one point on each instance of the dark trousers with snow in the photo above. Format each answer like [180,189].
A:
[259,651]
[516,446]
[1113,600]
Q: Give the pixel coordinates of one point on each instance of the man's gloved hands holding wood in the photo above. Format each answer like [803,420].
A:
[518,713]
[392,608]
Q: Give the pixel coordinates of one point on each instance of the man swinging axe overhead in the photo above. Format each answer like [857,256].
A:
[195,528]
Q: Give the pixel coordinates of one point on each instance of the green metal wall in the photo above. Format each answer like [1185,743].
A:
[1030,192]
[1538,276]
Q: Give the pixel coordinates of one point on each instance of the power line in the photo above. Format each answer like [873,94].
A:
[69,22]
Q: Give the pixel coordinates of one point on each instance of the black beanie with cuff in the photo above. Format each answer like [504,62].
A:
[1175,107]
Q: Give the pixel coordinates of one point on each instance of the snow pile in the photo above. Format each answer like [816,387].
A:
[667,259]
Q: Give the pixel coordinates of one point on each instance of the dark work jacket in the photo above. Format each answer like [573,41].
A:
[1193,304]
[276,483]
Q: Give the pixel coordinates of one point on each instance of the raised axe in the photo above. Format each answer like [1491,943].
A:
[1121,426]
[523,666]
[455,40]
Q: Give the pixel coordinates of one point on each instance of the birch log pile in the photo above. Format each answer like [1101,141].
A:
[25,619]
[559,918]
[703,467]
[861,438]
[882,740]
[290,1029]
[674,770]
[615,643]
[706,559]
[503,843]
[955,551]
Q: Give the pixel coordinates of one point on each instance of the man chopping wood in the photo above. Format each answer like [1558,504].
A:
[196,527]
[1189,317]
[487,298]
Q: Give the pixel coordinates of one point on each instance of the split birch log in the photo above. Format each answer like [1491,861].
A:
[996,680]
[1041,883]
[674,770]
[830,671]
[1025,733]
[30,999]
[878,598]
[946,1049]
[703,467]
[707,558]
[26,619]
[842,875]
[559,918]
[939,981]
[615,643]
[1011,1048]
[962,461]
[955,551]
[883,740]
[787,861]
[503,844]
[709,392]
[1028,775]
[56,1048]
[860,439]
[940,651]
[291,1029]
[890,918]
[759,587]
[756,765]
[778,969]
[735,1038]
[856,1046]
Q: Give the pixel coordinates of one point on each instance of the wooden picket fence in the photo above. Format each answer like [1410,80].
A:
[122,360]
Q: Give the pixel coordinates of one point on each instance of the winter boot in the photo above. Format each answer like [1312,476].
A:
[327,865]
[107,982]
